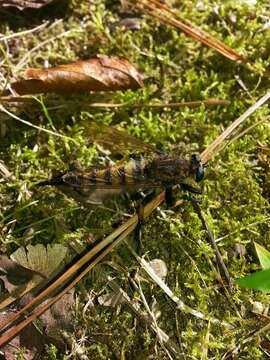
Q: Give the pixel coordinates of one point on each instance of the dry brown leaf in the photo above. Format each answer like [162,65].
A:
[15,275]
[101,73]
[27,267]
[49,328]
[58,318]
[25,4]
[30,339]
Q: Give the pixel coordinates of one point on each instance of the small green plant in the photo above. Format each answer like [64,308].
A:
[260,280]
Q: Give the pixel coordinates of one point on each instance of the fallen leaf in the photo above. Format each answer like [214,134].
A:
[27,267]
[44,260]
[30,342]
[24,4]
[15,275]
[47,329]
[58,318]
[101,73]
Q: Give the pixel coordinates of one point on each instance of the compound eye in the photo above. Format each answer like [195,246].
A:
[195,158]
[199,173]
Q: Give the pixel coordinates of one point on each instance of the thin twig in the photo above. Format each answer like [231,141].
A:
[211,238]
[190,104]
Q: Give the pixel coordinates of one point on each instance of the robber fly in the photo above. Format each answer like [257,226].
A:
[95,185]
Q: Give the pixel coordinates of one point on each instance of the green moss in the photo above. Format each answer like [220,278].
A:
[236,194]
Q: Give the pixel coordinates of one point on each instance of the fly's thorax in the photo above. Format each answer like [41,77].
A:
[196,168]
[168,170]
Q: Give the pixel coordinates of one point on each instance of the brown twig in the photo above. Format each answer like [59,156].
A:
[211,238]
[190,104]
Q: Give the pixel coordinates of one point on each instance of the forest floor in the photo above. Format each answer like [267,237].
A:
[236,188]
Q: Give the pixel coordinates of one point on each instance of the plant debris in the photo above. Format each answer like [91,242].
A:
[102,73]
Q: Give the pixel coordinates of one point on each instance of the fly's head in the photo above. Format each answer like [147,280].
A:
[197,167]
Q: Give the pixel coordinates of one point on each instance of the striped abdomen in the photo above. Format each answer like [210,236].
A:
[131,173]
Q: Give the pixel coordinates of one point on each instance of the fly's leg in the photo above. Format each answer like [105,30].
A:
[191,190]
[140,212]
[139,228]
[169,197]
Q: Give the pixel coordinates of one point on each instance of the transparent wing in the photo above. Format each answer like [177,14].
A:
[115,140]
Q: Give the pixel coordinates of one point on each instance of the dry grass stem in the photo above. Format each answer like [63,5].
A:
[213,148]
[168,16]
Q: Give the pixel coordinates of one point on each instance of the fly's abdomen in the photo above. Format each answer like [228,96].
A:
[131,173]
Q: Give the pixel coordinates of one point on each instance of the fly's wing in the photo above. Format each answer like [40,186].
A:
[79,184]
[93,188]
[115,140]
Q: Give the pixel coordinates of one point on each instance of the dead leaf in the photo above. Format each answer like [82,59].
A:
[25,4]
[30,342]
[44,260]
[27,267]
[58,318]
[47,329]
[14,274]
[101,73]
